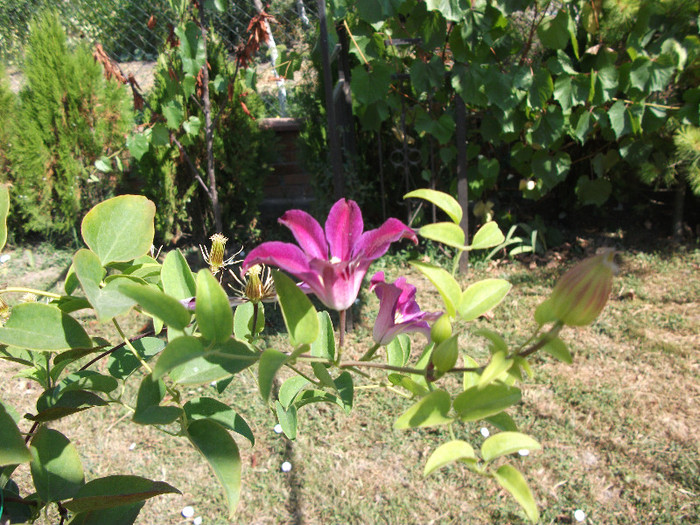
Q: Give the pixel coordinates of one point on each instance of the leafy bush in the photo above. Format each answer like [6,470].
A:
[239,147]
[69,117]
[7,109]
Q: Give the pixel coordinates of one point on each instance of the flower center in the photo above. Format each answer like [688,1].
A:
[335,259]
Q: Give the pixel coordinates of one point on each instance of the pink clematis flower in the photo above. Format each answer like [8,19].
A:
[330,264]
[398,310]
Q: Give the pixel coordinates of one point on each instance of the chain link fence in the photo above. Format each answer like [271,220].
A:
[132,32]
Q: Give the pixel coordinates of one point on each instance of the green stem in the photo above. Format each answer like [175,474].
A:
[302,374]
[546,338]
[369,353]
[20,289]
[341,335]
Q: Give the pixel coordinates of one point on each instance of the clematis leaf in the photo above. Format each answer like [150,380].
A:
[444,201]
[298,312]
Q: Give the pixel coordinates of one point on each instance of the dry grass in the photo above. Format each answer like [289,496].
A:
[620,427]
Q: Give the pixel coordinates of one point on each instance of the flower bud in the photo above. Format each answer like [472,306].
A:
[445,354]
[580,295]
[441,329]
[253,286]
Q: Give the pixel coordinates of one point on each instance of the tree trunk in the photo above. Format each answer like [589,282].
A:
[462,182]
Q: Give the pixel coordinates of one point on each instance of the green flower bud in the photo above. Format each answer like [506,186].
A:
[441,329]
[216,255]
[445,354]
[580,295]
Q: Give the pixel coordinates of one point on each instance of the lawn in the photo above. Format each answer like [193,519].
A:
[620,428]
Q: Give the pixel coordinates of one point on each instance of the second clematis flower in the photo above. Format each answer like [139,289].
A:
[330,262]
[398,310]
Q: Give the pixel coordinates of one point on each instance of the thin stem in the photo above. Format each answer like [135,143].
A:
[341,335]
[255,320]
[369,353]
[302,374]
[546,338]
[131,347]
[20,289]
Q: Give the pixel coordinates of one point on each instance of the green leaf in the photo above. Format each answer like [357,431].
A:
[13,450]
[243,320]
[160,305]
[56,468]
[290,388]
[122,362]
[444,282]
[324,345]
[50,408]
[4,211]
[192,48]
[554,31]
[173,113]
[345,388]
[219,362]
[475,403]
[452,10]
[505,443]
[120,229]
[488,236]
[481,297]
[139,144]
[221,452]
[447,453]
[447,233]
[498,344]
[177,278]
[87,380]
[619,119]
[503,421]
[176,353]
[557,349]
[541,89]
[122,515]
[148,410]
[399,350]
[408,383]
[212,309]
[444,201]
[513,481]
[44,328]
[224,415]
[442,128]
[497,365]
[298,312]
[287,418]
[271,361]
[430,411]
[115,491]
[551,169]
[107,301]
[593,191]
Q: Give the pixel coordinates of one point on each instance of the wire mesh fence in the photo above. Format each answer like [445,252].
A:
[133,32]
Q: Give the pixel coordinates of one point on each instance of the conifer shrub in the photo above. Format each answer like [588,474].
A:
[70,122]
[7,110]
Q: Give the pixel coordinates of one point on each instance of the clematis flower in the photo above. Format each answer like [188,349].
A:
[398,310]
[331,263]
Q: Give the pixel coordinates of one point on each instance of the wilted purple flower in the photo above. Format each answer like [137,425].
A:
[398,310]
[330,263]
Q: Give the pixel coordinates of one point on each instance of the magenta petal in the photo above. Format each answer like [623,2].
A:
[283,255]
[388,296]
[343,229]
[308,233]
[374,243]
[335,284]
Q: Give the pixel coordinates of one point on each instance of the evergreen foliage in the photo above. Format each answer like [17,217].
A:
[69,117]
[7,109]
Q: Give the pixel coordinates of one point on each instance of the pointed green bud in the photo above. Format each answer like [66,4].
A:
[580,295]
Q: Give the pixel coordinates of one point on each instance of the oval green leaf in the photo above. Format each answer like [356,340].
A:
[324,345]
[287,418]
[430,411]
[448,453]
[4,211]
[297,310]
[120,229]
[44,328]
[224,415]
[513,481]
[176,353]
[488,236]
[474,403]
[498,364]
[220,362]
[221,452]
[271,361]
[481,297]
[115,491]
[444,282]
[557,349]
[289,390]
[177,278]
[13,450]
[164,307]
[56,468]
[505,443]
[445,202]
[212,309]
[447,233]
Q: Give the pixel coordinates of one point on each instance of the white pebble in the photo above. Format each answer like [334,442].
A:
[4,258]
[197,520]
[579,515]
[187,512]
[524,452]
[278,428]
[286,466]
[213,384]
[485,432]
[132,446]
